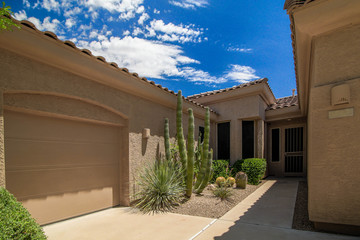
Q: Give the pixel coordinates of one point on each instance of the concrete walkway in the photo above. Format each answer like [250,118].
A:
[265,214]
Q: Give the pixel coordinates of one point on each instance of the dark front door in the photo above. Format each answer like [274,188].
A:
[224,140]
[294,151]
[247,139]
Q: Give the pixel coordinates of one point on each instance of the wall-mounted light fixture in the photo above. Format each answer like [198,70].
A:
[340,94]
[146,133]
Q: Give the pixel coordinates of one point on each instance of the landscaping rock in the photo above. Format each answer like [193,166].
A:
[241,180]
[211,187]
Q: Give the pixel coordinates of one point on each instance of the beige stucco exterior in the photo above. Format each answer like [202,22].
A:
[48,82]
[43,77]
[327,54]
[237,105]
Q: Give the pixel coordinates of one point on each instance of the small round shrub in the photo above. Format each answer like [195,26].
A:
[220,168]
[161,187]
[220,181]
[15,221]
[237,167]
[255,169]
[230,181]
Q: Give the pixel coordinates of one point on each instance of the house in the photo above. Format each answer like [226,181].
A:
[75,129]
[326,44]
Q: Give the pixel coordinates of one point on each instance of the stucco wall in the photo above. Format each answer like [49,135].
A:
[333,144]
[236,110]
[28,85]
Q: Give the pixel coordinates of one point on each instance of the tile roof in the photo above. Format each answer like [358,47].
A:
[52,35]
[290,4]
[243,85]
[284,103]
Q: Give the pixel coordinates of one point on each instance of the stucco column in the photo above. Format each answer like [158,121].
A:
[2,142]
[260,138]
[235,140]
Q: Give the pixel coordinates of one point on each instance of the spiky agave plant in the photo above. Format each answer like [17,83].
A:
[161,187]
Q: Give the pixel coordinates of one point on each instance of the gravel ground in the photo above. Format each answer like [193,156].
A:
[207,205]
[301,217]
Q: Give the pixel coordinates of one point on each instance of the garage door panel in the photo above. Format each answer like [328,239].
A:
[66,205]
[56,129]
[35,183]
[53,153]
[59,168]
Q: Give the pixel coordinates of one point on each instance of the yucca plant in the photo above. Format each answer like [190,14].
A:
[161,187]
[222,191]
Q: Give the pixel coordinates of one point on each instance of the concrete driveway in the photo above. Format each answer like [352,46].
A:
[127,223]
[265,214]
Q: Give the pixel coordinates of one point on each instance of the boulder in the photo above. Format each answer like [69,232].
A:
[241,180]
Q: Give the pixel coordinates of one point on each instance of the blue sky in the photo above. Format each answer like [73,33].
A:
[192,45]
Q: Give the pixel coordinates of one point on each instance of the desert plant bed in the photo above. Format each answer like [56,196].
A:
[207,205]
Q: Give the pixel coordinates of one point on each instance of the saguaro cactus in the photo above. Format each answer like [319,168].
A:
[190,154]
[179,132]
[167,139]
[206,158]
[187,155]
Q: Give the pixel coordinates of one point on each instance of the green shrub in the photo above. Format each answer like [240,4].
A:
[223,192]
[255,169]
[15,221]
[161,187]
[221,168]
[236,167]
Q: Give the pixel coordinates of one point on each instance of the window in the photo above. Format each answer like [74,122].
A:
[247,139]
[275,145]
[201,133]
[223,140]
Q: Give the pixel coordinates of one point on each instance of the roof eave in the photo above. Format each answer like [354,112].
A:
[45,47]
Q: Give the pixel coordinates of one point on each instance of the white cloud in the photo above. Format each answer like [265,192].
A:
[26,3]
[143,18]
[148,58]
[50,5]
[126,33]
[200,76]
[70,22]
[21,15]
[240,73]
[140,9]
[126,8]
[46,25]
[50,25]
[137,31]
[173,33]
[127,15]
[189,4]
[236,49]
[72,11]
[93,34]
[156,11]
[94,16]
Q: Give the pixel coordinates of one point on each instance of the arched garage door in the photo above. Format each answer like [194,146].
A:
[60,168]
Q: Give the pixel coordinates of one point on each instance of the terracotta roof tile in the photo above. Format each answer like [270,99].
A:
[284,103]
[243,85]
[291,4]
[102,59]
